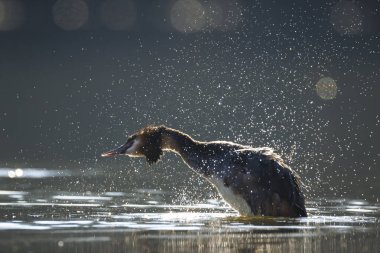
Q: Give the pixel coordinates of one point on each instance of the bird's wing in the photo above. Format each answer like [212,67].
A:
[268,185]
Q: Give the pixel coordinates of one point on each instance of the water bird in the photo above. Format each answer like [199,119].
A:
[253,181]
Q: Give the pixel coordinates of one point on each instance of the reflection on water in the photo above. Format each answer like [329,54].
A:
[32,173]
[144,220]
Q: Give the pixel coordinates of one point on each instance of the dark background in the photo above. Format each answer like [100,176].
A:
[76,77]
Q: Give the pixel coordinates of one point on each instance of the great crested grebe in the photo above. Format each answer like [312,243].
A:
[254,181]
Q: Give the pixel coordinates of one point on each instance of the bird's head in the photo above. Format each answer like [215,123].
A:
[145,143]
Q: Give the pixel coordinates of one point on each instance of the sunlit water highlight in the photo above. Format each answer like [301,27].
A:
[143,220]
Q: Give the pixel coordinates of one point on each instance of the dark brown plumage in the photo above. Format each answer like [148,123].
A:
[254,181]
[152,143]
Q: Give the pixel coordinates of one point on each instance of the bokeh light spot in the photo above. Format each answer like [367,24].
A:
[11,14]
[11,174]
[118,14]
[232,15]
[326,88]
[188,16]
[214,14]
[70,14]
[346,18]
[19,172]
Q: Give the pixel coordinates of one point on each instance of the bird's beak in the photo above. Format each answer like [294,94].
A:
[118,151]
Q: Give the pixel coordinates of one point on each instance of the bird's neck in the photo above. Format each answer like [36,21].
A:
[197,155]
[191,151]
[178,142]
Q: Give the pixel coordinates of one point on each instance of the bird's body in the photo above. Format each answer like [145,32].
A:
[254,181]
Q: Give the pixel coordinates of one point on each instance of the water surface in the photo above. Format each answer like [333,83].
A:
[40,219]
